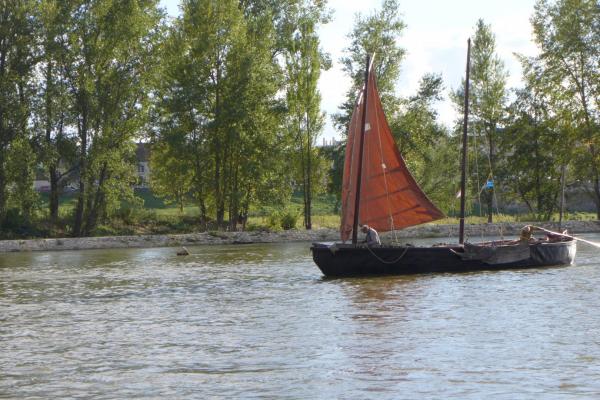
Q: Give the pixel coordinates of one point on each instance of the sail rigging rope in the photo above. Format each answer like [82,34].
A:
[385,261]
[384,169]
[352,163]
[483,187]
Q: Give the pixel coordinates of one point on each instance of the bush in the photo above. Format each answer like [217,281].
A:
[132,215]
[282,219]
[16,225]
[288,220]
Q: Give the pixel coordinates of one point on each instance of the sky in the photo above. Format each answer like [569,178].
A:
[435,40]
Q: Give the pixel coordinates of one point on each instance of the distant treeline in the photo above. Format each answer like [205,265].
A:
[226,97]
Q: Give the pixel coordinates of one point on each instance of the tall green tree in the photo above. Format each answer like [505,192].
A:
[567,33]
[531,143]
[304,62]
[429,152]
[52,117]
[109,58]
[17,61]
[218,94]
[487,99]
[375,34]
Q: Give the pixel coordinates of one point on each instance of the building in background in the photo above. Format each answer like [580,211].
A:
[142,156]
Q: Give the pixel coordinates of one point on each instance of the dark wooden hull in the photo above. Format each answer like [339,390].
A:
[337,260]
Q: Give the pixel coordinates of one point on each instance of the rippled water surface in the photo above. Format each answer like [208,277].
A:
[259,321]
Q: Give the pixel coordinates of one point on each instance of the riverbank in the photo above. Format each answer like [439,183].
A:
[448,232]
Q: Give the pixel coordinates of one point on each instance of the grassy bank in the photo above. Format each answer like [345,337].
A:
[151,215]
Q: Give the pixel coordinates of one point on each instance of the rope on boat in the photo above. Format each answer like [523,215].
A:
[388,262]
[565,235]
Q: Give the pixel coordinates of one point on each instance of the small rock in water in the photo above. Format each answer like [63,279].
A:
[183,252]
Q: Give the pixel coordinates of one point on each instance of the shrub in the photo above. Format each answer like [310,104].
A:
[288,220]
[283,219]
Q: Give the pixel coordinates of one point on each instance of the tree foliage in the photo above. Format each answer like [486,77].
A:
[218,96]
[226,96]
[487,99]
[567,33]
[303,64]
[374,34]
[17,61]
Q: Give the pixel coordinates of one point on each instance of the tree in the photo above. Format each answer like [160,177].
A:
[376,34]
[304,61]
[17,60]
[415,126]
[487,99]
[218,95]
[108,62]
[172,172]
[567,33]
[429,152]
[531,143]
[52,116]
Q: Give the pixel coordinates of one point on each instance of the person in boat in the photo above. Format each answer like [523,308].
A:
[526,234]
[372,238]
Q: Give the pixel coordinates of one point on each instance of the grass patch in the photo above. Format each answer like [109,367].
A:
[158,217]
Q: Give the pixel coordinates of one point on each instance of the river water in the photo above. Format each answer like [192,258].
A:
[260,321]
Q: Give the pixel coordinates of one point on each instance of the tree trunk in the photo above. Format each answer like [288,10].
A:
[597,193]
[53,204]
[308,174]
[234,203]
[303,171]
[97,203]
[78,223]
[200,190]
[2,186]
[203,216]
[53,167]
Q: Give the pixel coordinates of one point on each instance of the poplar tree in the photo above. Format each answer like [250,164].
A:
[375,34]
[303,64]
[487,98]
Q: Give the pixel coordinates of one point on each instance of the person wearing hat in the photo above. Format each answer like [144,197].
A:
[372,238]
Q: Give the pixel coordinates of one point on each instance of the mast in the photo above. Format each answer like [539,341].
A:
[360,154]
[463,172]
[562,196]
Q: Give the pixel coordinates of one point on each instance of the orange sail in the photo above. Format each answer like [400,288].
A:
[390,198]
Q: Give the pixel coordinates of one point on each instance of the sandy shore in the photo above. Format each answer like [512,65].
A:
[449,232]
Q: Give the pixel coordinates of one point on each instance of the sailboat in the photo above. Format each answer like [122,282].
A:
[378,190]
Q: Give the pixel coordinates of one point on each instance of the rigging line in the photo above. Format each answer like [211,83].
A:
[384,169]
[353,126]
[491,176]
[495,199]
[384,261]
[477,169]
[478,181]
[367,170]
